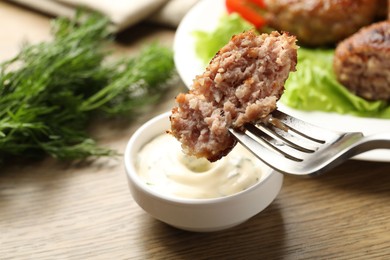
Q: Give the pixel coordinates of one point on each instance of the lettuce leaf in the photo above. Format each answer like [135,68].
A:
[313,87]
[207,44]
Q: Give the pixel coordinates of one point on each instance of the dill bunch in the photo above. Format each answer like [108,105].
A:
[50,90]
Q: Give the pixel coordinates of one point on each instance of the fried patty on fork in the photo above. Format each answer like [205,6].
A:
[241,84]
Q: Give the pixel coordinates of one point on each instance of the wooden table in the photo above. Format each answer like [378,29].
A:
[52,210]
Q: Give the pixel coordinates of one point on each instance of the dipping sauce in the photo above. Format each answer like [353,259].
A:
[162,165]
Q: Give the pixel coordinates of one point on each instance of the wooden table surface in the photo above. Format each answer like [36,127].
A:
[52,210]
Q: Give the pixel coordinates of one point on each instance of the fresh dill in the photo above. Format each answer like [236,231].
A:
[49,91]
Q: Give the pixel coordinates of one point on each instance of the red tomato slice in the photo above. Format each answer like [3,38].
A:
[244,8]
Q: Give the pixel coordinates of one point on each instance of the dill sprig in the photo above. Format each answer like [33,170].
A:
[49,91]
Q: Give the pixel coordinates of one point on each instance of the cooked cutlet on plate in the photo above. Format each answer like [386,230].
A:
[241,84]
[320,22]
[362,62]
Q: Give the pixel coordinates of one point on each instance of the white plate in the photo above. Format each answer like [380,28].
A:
[204,16]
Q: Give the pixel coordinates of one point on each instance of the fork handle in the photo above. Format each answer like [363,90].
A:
[376,141]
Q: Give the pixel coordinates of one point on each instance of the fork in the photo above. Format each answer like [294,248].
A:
[292,146]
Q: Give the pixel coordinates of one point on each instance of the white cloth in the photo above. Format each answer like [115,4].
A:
[122,13]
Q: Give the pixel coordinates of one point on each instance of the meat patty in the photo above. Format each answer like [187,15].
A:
[362,62]
[320,22]
[241,84]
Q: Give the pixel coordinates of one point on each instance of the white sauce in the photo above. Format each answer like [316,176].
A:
[162,165]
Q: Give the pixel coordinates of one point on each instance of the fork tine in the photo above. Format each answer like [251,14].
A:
[279,136]
[291,138]
[273,145]
[304,129]
[260,149]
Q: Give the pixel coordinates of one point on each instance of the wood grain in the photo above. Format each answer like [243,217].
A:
[53,210]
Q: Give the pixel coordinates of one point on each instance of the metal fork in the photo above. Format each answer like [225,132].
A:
[292,146]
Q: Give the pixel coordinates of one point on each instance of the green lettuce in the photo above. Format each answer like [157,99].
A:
[208,43]
[313,87]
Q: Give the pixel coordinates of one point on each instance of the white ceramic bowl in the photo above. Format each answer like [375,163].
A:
[200,215]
